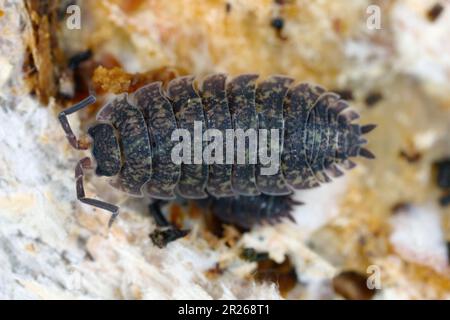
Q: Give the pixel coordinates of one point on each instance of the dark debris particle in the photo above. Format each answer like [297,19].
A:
[214,272]
[82,243]
[443,173]
[161,237]
[448,251]
[282,2]
[214,224]
[434,12]
[346,94]
[373,98]
[410,156]
[445,200]
[400,206]
[252,255]
[277,23]
[281,273]
[442,168]
[78,58]
[62,8]
[352,285]
[228,7]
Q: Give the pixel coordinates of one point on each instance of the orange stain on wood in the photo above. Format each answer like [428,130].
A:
[130,6]
[176,215]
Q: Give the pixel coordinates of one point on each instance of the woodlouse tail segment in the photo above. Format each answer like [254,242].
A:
[351,115]
[366,153]
[363,152]
[73,140]
[340,106]
[368,128]
[348,164]
[86,163]
[334,171]
[362,141]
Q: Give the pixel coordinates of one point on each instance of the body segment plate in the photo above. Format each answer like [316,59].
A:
[129,122]
[161,123]
[188,109]
[323,136]
[295,165]
[241,102]
[218,117]
[270,95]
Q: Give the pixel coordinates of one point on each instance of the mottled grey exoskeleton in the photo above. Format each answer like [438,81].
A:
[132,142]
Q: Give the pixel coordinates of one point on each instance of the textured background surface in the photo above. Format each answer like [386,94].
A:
[53,247]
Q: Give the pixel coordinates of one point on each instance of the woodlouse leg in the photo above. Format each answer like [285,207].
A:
[166,232]
[77,144]
[155,210]
[86,163]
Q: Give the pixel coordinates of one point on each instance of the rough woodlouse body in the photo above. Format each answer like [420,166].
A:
[246,211]
[132,140]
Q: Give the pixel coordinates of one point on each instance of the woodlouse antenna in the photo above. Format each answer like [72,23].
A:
[86,163]
[74,142]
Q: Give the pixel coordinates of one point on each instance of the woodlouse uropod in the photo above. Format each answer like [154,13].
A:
[131,142]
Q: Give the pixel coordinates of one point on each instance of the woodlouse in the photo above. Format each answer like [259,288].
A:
[131,142]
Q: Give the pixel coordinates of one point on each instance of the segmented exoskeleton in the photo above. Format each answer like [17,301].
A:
[132,140]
